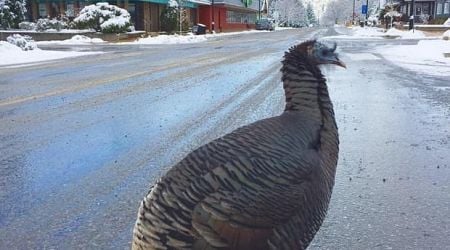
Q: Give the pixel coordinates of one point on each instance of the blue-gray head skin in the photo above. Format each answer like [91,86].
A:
[318,53]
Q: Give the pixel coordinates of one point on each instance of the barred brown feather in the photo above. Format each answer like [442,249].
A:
[263,186]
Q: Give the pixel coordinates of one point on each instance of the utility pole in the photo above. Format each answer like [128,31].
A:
[367,12]
[259,9]
[212,20]
[411,17]
[180,10]
[353,13]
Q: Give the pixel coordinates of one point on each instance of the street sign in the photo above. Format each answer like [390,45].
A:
[364,9]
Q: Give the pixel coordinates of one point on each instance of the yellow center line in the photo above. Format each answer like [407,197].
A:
[18,100]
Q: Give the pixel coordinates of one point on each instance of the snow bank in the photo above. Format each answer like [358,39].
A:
[447,23]
[367,32]
[427,56]
[75,40]
[372,32]
[405,34]
[446,35]
[23,42]
[11,54]
[189,38]
[170,39]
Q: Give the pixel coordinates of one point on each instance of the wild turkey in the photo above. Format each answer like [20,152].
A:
[263,186]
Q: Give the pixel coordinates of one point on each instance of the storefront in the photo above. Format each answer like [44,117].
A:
[229,15]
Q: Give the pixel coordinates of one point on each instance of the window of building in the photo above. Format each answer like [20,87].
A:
[132,9]
[439,9]
[70,10]
[240,17]
[42,10]
[447,7]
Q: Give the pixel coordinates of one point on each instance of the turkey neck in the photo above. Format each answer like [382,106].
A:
[307,93]
[306,90]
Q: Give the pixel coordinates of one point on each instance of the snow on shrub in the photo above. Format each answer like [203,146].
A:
[103,17]
[12,12]
[23,42]
[44,24]
[27,26]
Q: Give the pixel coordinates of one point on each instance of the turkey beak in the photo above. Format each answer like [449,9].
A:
[340,63]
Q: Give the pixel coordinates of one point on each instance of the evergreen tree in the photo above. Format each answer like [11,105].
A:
[12,12]
[310,16]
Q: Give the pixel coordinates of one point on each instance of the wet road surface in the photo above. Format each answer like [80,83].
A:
[82,140]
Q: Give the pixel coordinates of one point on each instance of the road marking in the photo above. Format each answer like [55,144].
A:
[153,69]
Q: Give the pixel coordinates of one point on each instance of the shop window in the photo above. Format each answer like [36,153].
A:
[439,9]
[70,10]
[240,17]
[42,10]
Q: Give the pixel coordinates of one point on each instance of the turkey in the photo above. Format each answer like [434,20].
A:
[266,185]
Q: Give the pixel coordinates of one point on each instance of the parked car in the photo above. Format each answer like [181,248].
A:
[264,24]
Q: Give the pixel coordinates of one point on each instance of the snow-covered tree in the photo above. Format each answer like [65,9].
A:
[310,15]
[341,11]
[288,12]
[12,12]
[169,17]
[103,17]
[337,11]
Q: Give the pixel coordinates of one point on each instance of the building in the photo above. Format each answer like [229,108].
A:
[442,9]
[426,10]
[229,15]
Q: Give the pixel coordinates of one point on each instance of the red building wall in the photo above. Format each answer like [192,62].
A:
[220,19]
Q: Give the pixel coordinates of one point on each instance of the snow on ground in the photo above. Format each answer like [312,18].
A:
[75,40]
[169,39]
[427,56]
[189,38]
[446,35]
[405,34]
[377,33]
[14,56]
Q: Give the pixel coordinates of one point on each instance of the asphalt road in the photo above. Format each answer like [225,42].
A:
[81,140]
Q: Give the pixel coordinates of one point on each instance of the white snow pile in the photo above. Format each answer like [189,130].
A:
[171,39]
[189,38]
[447,23]
[23,42]
[393,32]
[427,56]
[14,56]
[75,40]
[446,35]
[103,17]
[372,32]
[367,32]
